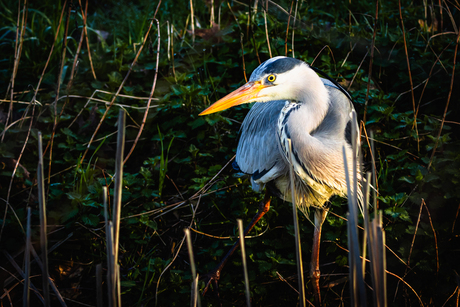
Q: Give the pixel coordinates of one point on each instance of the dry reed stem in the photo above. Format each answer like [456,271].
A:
[366,234]
[374,175]
[434,234]
[451,16]
[212,18]
[167,267]
[43,222]
[175,186]
[447,103]
[298,245]
[50,281]
[357,290]
[393,146]
[242,56]
[293,28]
[14,123]
[22,274]
[175,206]
[409,72]
[168,30]
[144,119]
[77,53]
[9,279]
[290,286]
[26,140]
[118,283]
[17,55]
[108,240]
[357,70]
[56,118]
[8,205]
[405,282]
[195,298]
[241,42]
[455,220]
[27,283]
[330,50]
[252,33]
[107,102]
[124,106]
[386,271]
[172,52]
[229,237]
[84,16]
[369,75]
[119,88]
[15,51]
[211,181]
[37,88]
[192,21]
[361,228]
[244,264]
[111,278]
[266,29]
[117,201]
[178,250]
[287,29]
[413,238]
[424,87]
[453,293]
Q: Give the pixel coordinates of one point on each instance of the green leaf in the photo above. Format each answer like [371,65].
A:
[91,219]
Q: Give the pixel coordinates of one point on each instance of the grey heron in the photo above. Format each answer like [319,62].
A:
[293,103]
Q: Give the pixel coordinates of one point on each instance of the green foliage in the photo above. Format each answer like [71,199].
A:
[191,150]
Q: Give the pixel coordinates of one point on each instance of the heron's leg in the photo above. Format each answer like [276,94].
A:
[320,216]
[214,275]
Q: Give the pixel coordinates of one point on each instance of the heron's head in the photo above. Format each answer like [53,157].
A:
[279,78]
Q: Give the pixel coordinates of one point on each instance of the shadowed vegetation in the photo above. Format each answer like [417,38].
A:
[399,60]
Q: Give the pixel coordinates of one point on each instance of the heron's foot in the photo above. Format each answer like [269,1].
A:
[211,277]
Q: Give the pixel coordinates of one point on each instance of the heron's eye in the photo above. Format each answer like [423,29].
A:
[271,78]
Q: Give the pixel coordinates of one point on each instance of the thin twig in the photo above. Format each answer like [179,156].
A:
[369,76]
[118,195]
[324,47]
[287,29]
[151,91]
[453,293]
[118,91]
[77,53]
[434,234]
[243,259]
[56,117]
[266,29]
[26,292]
[447,103]
[413,238]
[357,70]
[192,21]
[408,69]
[43,222]
[17,54]
[84,15]
[228,237]
[177,252]
[405,282]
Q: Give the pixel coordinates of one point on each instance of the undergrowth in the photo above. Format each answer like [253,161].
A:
[178,174]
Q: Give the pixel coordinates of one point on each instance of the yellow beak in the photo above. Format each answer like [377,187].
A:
[245,94]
